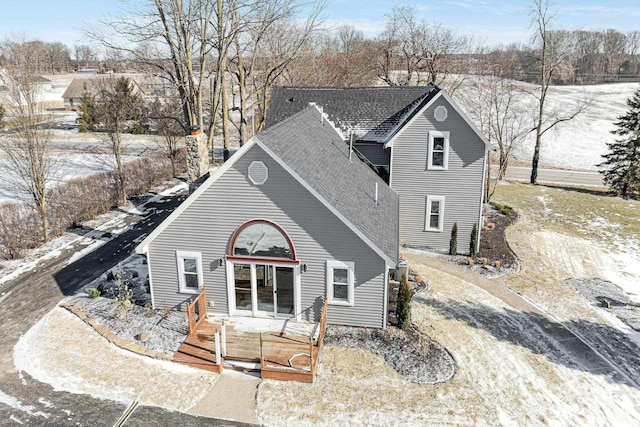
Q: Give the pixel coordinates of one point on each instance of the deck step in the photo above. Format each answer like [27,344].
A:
[242,366]
[196,362]
[199,342]
[198,352]
[243,357]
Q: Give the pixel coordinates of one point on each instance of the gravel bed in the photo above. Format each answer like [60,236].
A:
[493,246]
[166,329]
[412,354]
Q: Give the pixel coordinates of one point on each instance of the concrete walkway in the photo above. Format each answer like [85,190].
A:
[232,397]
[507,295]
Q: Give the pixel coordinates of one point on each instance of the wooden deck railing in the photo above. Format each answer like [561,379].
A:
[279,355]
[194,319]
[321,332]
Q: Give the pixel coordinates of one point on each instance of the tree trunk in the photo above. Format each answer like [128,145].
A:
[122,190]
[42,210]
[536,152]
[225,117]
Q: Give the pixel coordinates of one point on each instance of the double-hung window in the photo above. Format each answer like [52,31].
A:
[340,278]
[438,151]
[189,271]
[434,216]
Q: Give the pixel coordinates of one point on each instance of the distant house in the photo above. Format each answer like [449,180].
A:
[73,95]
[419,141]
[292,216]
[44,84]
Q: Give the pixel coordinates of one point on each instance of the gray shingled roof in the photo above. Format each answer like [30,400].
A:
[371,113]
[76,88]
[318,154]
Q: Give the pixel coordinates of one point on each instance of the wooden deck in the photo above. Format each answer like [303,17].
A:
[281,356]
[284,356]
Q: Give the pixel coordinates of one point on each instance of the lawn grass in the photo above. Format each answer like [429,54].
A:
[591,214]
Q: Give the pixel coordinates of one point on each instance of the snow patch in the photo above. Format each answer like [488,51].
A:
[16,404]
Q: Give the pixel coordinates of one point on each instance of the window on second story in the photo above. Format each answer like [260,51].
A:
[438,154]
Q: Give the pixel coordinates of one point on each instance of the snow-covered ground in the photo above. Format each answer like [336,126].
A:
[579,144]
[114,373]
[510,373]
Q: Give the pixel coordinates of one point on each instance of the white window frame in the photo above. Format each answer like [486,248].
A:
[350,267]
[427,213]
[445,164]
[180,257]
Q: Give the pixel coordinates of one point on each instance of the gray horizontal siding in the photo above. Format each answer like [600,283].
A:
[208,223]
[460,184]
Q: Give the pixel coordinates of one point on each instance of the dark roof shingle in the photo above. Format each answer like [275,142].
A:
[315,151]
[371,113]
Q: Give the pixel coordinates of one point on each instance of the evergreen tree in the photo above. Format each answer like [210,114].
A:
[86,118]
[473,244]
[453,243]
[403,305]
[621,168]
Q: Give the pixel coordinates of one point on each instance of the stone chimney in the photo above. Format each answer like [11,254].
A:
[197,155]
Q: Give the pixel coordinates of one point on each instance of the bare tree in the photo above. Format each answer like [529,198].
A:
[268,39]
[59,58]
[85,56]
[498,106]
[27,149]
[419,48]
[588,48]
[179,30]
[552,58]
[167,123]
[342,58]
[226,26]
[116,105]
[614,44]
[633,49]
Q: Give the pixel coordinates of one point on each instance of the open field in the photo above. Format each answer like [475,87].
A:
[579,143]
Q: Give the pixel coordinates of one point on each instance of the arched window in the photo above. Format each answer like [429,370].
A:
[260,238]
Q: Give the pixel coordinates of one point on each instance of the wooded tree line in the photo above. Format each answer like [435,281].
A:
[57,57]
[589,57]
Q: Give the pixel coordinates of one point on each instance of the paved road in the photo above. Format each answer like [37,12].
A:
[556,176]
[33,294]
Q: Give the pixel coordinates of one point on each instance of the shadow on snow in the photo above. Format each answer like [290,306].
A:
[558,342]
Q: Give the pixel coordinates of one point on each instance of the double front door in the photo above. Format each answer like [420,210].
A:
[263,289]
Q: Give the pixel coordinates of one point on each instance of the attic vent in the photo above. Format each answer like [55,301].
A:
[258,173]
[291,99]
[441,113]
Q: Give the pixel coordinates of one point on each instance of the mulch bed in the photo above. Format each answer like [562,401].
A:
[493,241]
